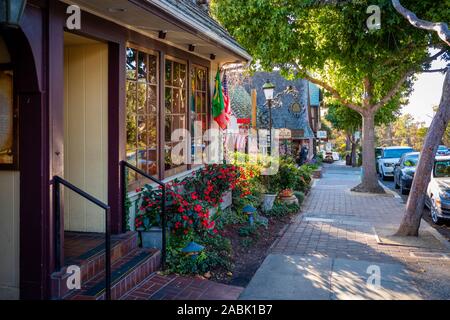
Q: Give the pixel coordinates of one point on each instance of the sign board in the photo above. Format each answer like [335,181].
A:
[285,133]
[321,134]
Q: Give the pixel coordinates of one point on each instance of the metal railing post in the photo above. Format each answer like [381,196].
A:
[108,254]
[57,182]
[125,165]
[57,226]
[164,228]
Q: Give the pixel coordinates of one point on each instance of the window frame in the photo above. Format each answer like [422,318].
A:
[163,54]
[139,181]
[192,93]
[184,167]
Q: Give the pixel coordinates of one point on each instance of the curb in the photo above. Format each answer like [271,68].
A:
[436,234]
[427,226]
[387,190]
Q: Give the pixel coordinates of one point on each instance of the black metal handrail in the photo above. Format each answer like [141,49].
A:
[124,166]
[57,182]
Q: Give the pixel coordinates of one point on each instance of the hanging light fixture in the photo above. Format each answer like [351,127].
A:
[11,12]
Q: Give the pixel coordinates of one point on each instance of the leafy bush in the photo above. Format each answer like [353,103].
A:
[186,212]
[300,197]
[281,210]
[247,231]
[230,217]
[217,254]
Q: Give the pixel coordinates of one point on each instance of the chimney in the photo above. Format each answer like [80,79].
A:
[203,4]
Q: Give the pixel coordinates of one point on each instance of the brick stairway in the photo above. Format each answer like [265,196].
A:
[134,273]
[130,265]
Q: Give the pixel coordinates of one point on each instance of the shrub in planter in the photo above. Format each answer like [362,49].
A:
[185,212]
[280,210]
[217,254]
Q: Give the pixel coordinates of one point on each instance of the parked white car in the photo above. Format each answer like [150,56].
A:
[438,191]
[389,158]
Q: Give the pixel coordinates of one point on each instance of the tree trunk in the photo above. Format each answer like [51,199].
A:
[369,175]
[414,207]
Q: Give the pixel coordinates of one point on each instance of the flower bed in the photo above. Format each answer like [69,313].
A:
[195,212]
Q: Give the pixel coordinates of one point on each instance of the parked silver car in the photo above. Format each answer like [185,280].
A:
[389,157]
[438,191]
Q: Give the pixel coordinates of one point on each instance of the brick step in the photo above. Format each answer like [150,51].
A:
[126,274]
[92,261]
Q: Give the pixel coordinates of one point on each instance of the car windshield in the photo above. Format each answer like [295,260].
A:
[395,153]
[442,169]
[411,161]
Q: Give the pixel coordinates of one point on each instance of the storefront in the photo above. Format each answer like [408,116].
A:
[74,103]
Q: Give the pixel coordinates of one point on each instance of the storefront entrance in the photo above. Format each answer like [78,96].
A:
[85,130]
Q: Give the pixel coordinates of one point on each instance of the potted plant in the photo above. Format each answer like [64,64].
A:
[287,180]
[148,220]
[270,192]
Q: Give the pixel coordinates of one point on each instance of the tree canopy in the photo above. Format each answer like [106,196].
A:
[330,45]
[345,119]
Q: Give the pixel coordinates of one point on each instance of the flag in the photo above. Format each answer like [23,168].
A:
[220,104]
[226,98]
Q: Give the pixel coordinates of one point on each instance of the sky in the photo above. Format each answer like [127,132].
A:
[427,93]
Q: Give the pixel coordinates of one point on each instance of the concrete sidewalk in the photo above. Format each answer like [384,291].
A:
[340,244]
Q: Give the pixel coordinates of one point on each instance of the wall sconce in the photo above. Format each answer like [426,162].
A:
[162,34]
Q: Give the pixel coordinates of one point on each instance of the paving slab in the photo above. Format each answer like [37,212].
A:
[291,277]
[353,279]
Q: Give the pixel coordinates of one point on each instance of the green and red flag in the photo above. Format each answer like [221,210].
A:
[221,103]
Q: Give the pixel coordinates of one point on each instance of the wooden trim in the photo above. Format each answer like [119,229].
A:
[131,44]
[189,119]
[178,60]
[162,116]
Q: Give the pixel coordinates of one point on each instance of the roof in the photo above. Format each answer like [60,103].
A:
[241,102]
[192,14]
[282,114]
[314,94]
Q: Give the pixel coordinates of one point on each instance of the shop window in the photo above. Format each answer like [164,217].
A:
[175,114]
[142,111]
[199,113]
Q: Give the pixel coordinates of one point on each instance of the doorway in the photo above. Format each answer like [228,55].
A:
[9,182]
[85,131]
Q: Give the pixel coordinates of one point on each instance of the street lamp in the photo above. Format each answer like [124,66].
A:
[268,89]
[11,12]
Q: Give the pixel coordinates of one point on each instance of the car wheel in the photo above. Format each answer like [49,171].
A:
[434,213]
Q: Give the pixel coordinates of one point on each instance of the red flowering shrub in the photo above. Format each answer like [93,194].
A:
[211,182]
[185,212]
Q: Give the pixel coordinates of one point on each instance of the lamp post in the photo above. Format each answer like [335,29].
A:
[11,12]
[268,89]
